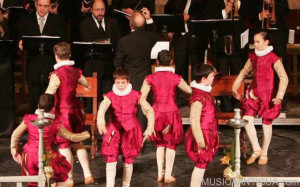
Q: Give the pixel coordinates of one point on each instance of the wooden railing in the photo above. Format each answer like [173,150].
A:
[20,180]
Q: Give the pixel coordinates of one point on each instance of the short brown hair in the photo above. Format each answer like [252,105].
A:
[121,73]
[46,102]
[62,50]
[202,70]
[164,57]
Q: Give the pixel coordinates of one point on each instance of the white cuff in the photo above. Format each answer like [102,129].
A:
[259,16]
[150,21]
[225,16]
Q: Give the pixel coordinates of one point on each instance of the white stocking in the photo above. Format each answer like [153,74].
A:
[69,157]
[83,158]
[197,177]
[127,173]
[251,132]
[267,129]
[160,158]
[111,170]
[170,157]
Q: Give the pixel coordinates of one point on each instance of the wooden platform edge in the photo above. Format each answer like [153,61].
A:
[258,121]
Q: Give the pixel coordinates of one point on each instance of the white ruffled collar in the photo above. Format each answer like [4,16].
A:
[194,84]
[64,63]
[165,68]
[264,52]
[124,92]
[46,115]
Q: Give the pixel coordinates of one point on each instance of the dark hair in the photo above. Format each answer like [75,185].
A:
[202,70]
[62,50]
[121,73]
[264,34]
[46,102]
[164,57]
[88,3]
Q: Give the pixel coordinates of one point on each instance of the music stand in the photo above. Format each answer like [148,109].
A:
[95,52]
[212,28]
[92,50]
[40,45]
[6,47]
[169,22]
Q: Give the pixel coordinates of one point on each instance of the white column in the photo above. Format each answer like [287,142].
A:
[237,161]
[41,152]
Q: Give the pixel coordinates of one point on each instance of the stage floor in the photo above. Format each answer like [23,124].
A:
[283,162]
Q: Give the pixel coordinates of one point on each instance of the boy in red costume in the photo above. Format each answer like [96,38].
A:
[264,94]
[202,139]
[168,123]
[123,132]
[63,84]
[29,157]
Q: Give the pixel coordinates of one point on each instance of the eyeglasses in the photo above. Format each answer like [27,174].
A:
[98,9]
[42,6]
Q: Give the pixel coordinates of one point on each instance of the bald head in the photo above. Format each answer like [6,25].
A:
[138,20]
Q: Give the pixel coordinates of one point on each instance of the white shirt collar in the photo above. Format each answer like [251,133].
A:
[38,16]
[102,23]
[165,68]
[194,84]
[264,52]
[122,93]
[64,63]
[46,115]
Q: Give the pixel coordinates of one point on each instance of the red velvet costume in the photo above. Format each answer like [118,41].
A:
[60,165]
[124,133]
[67,106]
[265,87]
[209,126]
[164,84]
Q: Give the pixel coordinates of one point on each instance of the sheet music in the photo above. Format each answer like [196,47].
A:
[42,36]
[244,38]
[91,43]
[212,20]
[6,40]
[158,47]
[11,7]
[291,36]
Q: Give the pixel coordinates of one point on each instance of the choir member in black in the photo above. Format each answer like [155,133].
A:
[7,116]
[98,26]
[38,23]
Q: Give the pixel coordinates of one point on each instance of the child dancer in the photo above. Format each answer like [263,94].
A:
[264,94]
[29,157]
[202,139]
[63,83]
[168,123]
[123,132]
